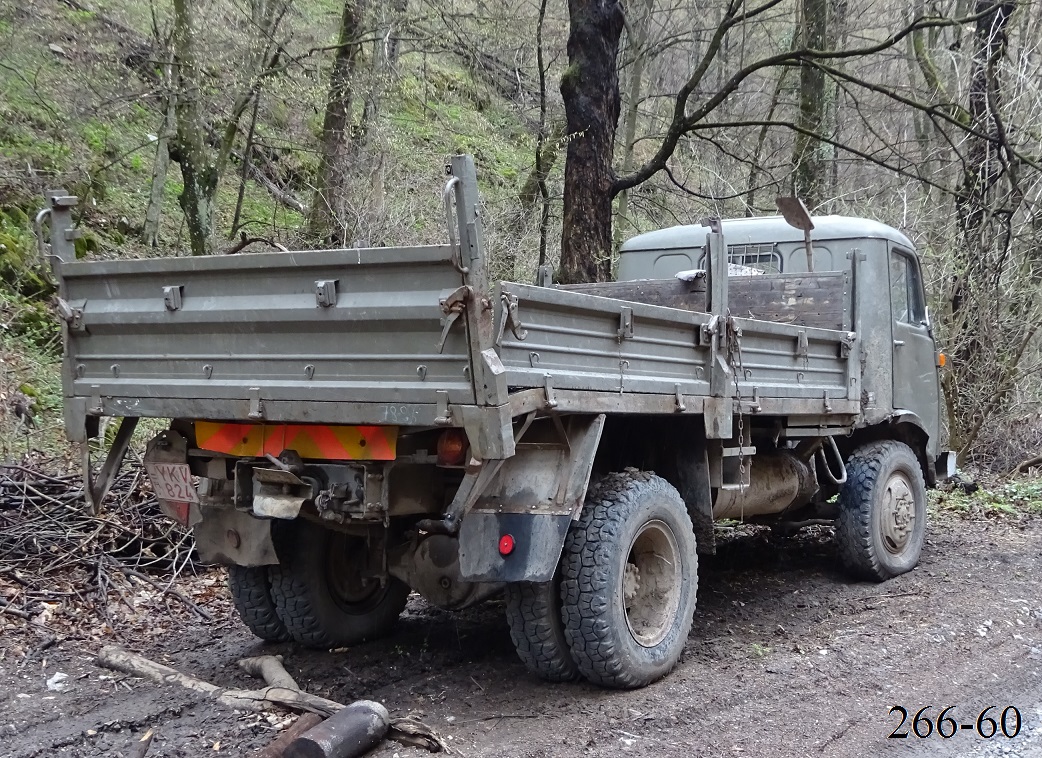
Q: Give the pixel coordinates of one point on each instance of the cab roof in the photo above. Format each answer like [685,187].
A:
[766,229]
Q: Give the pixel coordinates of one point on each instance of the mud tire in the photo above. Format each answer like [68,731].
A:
[537,630]
[627,605]
[308,590]
[884,488]
[251,593]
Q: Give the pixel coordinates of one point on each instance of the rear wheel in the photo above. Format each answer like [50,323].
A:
[534,616]
[630,576]
[251,593]
[882,521]
[322,592]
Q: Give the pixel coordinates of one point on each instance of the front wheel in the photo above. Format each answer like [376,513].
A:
[630,575]
[323,592]
[882,520]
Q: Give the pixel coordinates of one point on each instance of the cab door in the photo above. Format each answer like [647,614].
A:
[915,380]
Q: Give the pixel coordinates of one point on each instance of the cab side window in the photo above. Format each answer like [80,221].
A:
[906,289]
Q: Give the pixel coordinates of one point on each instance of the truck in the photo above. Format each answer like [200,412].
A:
[350,426]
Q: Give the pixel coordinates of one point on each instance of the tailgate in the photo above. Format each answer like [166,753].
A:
[349,336]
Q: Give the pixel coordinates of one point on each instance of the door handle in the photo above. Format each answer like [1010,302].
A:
[899,343]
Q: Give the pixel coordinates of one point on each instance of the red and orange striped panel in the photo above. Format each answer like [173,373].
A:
[334,443]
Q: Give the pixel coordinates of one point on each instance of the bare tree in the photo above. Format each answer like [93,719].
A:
[329,211]
[202,166]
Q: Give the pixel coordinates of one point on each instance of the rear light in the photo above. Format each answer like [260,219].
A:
[506,545]
[452,447]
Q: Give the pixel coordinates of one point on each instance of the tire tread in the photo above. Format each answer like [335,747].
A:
[854,538]
[250,588]
[586,586]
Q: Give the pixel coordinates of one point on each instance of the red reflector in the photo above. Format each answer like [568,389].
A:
[506,544]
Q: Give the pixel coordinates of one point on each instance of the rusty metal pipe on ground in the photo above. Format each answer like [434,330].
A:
[351,732]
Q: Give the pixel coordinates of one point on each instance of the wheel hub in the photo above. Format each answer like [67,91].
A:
[350,588]
[897,514]
[651,583]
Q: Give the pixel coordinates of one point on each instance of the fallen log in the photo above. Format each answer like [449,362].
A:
[351,732]
[137,665]
[282,690]
[1024,465]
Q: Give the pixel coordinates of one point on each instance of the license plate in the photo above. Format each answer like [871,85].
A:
[172,482]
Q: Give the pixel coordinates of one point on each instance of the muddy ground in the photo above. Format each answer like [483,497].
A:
[787,658]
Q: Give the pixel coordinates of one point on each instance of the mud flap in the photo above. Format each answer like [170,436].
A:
[229,536]
[536,542]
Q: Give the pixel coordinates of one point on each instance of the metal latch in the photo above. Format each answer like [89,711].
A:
[173,297]
[326,292]
[510,318]
[625,323]
[452,306]
[847,344]
[680,406]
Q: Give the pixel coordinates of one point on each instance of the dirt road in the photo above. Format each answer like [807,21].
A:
[786,658]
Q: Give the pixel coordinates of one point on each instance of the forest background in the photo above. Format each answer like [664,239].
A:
[216,126]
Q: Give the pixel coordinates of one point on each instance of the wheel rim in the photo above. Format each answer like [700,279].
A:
[651,583]
[345,563]
[897,513]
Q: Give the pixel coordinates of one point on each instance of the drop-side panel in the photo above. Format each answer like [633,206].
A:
[598,344]
[329,326]
[584,342]
[785,360]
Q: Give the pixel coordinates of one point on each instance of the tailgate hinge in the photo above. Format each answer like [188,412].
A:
[71,315]
[443,416]
[548,386]
[846,344]
[802,346]
[256,404]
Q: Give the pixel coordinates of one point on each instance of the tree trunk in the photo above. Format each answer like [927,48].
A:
[590,88]
[637,54]
[167,129]
[810,175]
[974,386]
[329,209]
[199,175]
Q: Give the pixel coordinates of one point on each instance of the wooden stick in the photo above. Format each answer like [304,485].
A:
[144,743]
[137,665]
[270,669]
[201,612]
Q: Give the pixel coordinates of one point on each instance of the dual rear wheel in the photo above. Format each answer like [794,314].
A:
[321,595]
[622,605]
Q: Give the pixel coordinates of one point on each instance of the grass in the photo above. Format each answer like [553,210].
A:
[1009,498]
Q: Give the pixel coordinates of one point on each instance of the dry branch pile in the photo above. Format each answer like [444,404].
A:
[68,573]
